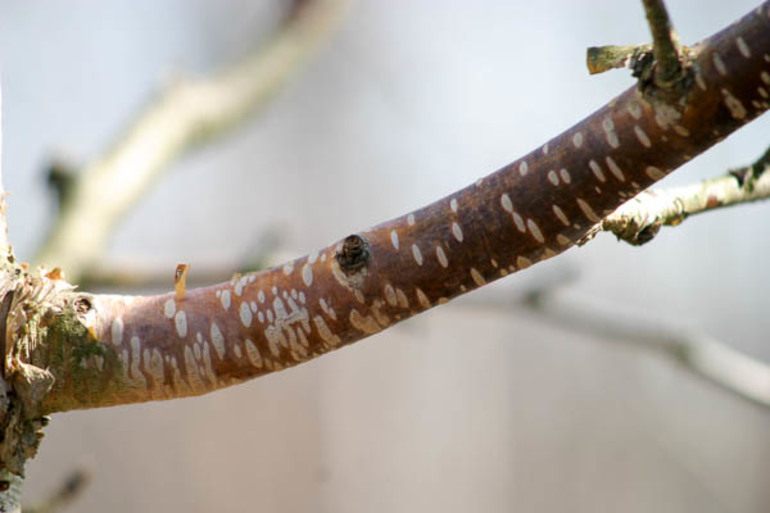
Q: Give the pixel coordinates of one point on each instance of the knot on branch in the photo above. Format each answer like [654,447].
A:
[354,254]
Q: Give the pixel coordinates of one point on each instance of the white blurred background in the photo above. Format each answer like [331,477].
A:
[476,406]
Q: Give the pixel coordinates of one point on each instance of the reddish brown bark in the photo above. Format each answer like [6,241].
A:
[158,347]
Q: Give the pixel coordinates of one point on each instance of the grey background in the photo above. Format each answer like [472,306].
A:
[472,407]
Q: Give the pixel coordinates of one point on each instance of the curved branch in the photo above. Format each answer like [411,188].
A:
[106,350]
[187,114]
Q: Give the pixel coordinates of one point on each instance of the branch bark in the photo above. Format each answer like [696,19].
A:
[106,350]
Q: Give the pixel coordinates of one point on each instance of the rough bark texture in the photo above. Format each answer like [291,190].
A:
[107,350]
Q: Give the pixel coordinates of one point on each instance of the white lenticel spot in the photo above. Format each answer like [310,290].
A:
[410,219]
[535,231]
[180,320]
[523,168]
[553,177]
[635,110]
[225,299]
[416,254]
[523,262]
[642,136]
[216,337]
[505,201]
[453,205]
[457,232]
[743,47]
[609,131]
[719,64]
[441,256]
[560,215]
[565,175]
[587,210]
[655,173]
[246,315]
[577,139]
[169,308]
[117,331]
[478,279]
[519,222]
[307,274]
[597,170]
[615,169]
[394,238]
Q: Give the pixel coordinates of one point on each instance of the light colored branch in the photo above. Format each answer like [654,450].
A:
[133,274]
[701,354]
[187,114]
[72,488]
[638,220]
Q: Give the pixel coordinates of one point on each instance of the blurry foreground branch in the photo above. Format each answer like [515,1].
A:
[187,114]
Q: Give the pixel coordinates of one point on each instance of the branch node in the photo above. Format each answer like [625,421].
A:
[354,254]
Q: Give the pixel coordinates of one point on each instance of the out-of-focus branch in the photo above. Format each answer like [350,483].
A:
[69,490]
[638,220]
[697,352]
[188,113]
[133,274]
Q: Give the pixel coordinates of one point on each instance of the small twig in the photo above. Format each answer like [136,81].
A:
[70,490]
[638,220]
[188,114]
[604,58]
[665,44]
[709,358]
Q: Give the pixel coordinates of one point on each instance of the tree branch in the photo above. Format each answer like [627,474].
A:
[187,114]
[638,220]
[105,350]
[665,44]
[701,354]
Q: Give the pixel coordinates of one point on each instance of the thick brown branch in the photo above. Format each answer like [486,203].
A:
[187,114]
[121,349]
[638,220]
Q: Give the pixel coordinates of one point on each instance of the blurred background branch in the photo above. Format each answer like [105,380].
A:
[186,115]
